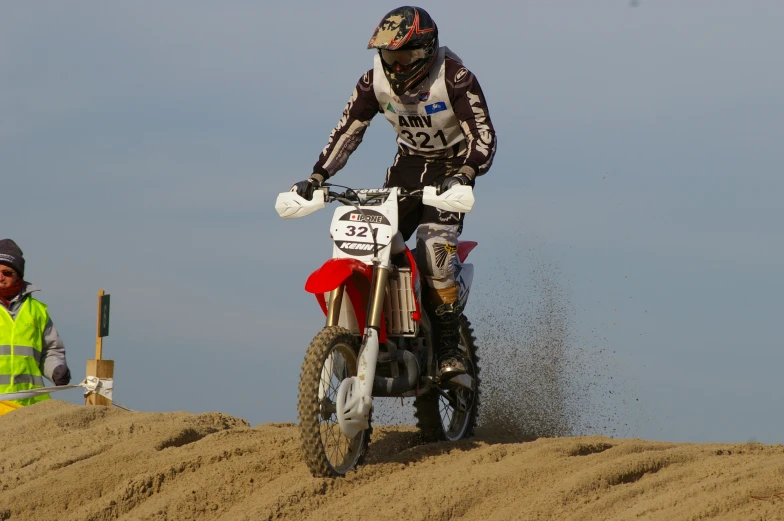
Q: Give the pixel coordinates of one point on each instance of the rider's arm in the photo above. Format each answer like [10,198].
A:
[471,110]
[347,135]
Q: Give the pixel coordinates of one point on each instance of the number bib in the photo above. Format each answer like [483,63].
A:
[424,120]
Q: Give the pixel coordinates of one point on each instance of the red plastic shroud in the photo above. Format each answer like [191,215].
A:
[335,272]
[464,248]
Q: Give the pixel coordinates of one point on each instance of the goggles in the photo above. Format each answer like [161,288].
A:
[402,57]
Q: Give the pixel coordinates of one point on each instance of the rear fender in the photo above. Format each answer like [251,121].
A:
[356,277]
[464,248]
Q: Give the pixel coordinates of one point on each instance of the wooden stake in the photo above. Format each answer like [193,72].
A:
[98,338]
[103,369]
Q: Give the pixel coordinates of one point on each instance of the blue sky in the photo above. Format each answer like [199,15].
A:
[143,145]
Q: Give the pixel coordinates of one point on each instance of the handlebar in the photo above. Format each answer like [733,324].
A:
[290,205]
[366,195]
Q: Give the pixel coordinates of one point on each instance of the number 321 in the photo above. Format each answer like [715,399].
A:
[424,137]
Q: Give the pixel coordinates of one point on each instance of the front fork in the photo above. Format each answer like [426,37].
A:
[354,400]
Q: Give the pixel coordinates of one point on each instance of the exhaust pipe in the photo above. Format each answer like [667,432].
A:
[385,386]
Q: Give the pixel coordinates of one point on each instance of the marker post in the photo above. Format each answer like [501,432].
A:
[103,369]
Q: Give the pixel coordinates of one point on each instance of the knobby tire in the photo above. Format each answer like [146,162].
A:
[321,435]
[428,406]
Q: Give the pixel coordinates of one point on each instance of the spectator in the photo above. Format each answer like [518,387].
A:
[30,348]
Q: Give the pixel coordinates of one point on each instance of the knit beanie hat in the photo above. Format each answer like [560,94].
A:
[11,256]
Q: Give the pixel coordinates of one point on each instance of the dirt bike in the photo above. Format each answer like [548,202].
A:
[377,339]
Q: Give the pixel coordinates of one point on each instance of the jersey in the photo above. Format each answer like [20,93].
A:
[424,120]
[444,117]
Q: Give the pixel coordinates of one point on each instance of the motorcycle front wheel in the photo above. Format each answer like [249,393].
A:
[330,358]
[451,413]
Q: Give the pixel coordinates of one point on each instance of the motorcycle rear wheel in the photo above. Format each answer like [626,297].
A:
[330,358]
[453,418]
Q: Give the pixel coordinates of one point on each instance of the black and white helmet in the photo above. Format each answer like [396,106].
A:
[407,40]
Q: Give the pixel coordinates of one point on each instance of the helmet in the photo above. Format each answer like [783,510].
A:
[407,41]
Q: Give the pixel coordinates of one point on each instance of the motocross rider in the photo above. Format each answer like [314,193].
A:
[444,136]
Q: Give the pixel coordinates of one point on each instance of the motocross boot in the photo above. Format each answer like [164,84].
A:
[446,334]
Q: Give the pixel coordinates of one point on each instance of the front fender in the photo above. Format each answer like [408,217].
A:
[356,276]
[333,273]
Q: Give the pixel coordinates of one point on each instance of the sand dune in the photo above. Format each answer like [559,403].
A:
[71,463]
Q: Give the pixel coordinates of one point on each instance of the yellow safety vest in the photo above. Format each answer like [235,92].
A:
[21,346]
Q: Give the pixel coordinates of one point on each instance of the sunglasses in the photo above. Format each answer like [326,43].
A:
[8,273]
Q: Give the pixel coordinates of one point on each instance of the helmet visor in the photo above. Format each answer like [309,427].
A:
[402,57]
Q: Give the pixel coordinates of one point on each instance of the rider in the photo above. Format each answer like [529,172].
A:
[444,136]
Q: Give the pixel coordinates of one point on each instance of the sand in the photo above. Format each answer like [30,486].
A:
[66,462]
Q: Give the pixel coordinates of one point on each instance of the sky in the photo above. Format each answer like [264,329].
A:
[143,144]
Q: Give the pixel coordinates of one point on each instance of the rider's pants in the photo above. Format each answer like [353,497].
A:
[437,230]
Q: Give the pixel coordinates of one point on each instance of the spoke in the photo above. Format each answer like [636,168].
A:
[454,410]
[335,446]
[335,379]
[445,412]
[334,383]
[333,443]
[339,445]
[344,448]
[323,383]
